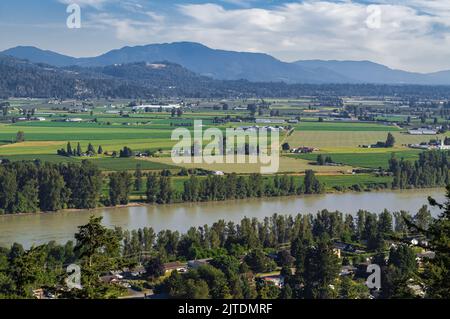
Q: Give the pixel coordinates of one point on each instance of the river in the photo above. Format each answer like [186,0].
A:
[41,228]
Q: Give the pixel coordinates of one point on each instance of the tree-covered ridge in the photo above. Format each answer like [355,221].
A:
[20,78]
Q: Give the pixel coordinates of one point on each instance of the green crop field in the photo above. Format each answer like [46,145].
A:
[350,180]
[286,164]
[105,163]
[152,131]
[71,132]
[51,147]
[367,160]
[344,127]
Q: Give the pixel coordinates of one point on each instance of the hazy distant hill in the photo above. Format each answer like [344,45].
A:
[37,55]
[369,72]
[21,78]
[230,65]
[218,64]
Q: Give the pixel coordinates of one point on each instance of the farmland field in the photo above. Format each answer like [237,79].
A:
[108,145]
[345,141]
[287,165]
[143,131]
[343,127]
[368,160]
[71,132]
[104,163]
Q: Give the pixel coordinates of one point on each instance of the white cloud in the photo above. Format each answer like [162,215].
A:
[241,3]
[413,35]
[87,3]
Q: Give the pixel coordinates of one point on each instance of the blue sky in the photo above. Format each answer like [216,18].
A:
[407,34]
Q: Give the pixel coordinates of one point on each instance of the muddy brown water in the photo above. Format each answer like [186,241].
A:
[41,228]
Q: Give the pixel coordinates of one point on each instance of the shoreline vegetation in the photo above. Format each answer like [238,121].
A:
[227,260]
[145,204]
[31,187]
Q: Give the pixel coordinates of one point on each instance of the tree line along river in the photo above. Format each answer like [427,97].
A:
[41,228]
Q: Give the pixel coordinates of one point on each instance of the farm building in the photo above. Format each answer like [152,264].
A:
[422,131]
[74,119]
[304,149]
[152,106]
[439,145]
[270,121]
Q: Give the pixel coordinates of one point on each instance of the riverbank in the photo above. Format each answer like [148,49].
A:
[35,229]
[139,203]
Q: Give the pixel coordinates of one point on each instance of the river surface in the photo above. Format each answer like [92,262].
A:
[41,228]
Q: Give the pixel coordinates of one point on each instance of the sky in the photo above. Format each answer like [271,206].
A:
[411,35]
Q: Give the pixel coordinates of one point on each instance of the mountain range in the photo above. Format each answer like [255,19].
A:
[231,65]
[143,80]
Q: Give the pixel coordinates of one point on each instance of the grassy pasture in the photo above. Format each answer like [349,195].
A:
[344,127]
[70,133]
[350,180]
[287,165]
[366,160]
[344,141]
[51,147]
[104,163]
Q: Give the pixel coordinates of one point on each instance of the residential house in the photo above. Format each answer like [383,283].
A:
[277,280]
[176,265]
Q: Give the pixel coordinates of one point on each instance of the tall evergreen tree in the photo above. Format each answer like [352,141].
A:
[20,137]
[322,269]
[85,184]
[390,140]
[436,274]
[53,194]
[311,185]
[69,149]
[165,190]
[152,191]
[99,249]
[8,190]
[120,184]
[90,149]
[138,178]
